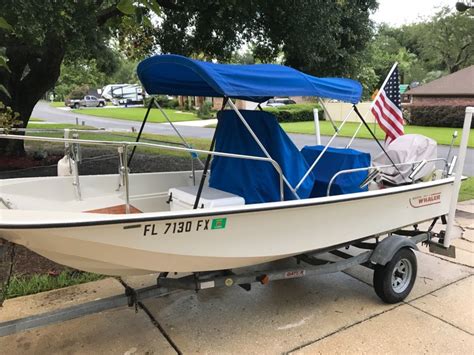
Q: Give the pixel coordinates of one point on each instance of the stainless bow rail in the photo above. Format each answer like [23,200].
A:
[123,151]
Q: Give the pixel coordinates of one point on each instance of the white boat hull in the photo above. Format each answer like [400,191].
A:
[219,238]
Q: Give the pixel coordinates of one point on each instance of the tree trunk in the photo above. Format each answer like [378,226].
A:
[33,71]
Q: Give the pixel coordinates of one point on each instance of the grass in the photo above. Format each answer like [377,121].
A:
[467,190]
[442,135]
[197,143]
[57,104]
[57,126]
[28,285]
[137,114]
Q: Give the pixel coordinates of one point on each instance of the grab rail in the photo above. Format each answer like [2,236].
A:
[348,171]
[125,145]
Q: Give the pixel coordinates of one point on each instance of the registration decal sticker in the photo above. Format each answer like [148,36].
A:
[425,200]
[218,223]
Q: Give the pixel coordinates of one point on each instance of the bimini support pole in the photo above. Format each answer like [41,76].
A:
[175,129]
[262,147]
[141,130]
[458,175]
[208,161]
[324,149]
[326,112]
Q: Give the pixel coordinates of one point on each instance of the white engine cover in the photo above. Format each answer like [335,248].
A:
[407,149]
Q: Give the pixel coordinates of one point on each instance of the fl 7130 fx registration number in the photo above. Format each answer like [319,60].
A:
[178,227]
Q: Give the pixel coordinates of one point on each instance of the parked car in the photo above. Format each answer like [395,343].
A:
[280,102]
[87,101]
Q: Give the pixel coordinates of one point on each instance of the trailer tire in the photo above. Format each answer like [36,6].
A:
[101,104]
[394,281]
[76,106]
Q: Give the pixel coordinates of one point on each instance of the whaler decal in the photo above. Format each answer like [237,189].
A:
[425,200]
[153,229]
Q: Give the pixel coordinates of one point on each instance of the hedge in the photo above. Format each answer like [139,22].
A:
[437,116]
[295,112]
[163,101]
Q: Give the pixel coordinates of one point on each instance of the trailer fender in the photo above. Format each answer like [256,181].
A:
[387,248]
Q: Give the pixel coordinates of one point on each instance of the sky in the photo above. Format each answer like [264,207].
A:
[401,12]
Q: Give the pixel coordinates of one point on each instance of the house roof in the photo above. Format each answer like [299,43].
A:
[458,83]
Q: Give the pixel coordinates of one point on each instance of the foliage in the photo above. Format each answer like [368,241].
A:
[78,92]
[5,26]
[45,33]
[425,50]
[204,112]
[438,116]
[448,41]
[326,46]
[27,285]
[163,101]
[295,112]
[79,73]
[8,118]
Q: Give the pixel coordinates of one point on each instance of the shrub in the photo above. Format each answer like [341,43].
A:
[163,101]
[204,111]
[78,92]
[8,118]
[295,112]
[438,116]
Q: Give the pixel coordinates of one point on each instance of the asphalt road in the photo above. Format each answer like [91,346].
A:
[51,114]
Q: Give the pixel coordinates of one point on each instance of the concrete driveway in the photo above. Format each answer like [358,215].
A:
[337,313]
[51,114]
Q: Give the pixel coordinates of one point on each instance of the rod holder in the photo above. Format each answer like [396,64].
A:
[416,170]
[372,175]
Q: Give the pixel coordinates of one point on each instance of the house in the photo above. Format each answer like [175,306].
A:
[456,89]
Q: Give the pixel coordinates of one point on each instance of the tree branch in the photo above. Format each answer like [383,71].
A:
[108,13]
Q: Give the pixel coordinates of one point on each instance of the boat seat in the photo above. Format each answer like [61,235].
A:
[183,198]
[333,161]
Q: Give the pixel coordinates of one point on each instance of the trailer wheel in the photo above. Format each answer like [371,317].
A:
[76,105]
[394,281]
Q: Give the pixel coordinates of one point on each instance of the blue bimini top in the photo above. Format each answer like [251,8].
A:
[178,75]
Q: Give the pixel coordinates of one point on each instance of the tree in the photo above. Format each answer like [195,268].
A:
[44,34]
[320,37]
[448,42]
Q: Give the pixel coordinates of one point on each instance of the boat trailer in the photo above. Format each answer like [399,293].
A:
[391,258]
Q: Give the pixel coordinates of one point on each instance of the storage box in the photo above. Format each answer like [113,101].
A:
[183,198]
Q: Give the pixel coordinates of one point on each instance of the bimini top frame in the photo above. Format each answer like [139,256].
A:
[178,75]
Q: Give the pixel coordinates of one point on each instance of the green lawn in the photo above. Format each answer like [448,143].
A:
[467,190]
[442,135]
[57,104]
[57,126]
[137,114]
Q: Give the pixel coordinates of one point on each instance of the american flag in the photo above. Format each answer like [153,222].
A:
[387,108]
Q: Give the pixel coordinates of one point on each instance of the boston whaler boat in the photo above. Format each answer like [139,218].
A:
[257,198]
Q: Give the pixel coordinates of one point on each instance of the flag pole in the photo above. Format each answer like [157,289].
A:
[372,104]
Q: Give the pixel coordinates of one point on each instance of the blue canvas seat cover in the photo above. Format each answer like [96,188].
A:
[333,161]
[256,181]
